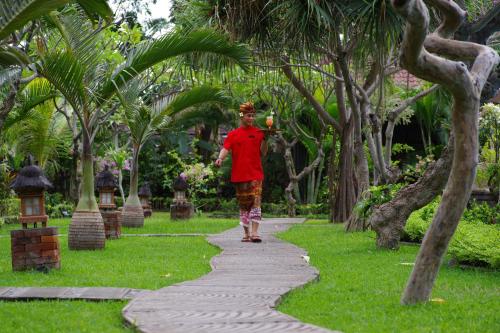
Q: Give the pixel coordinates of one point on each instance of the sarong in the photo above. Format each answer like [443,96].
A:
[249,196]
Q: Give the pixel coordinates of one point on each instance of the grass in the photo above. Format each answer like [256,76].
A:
[132,262]
[62,316]
[159,223]
[360,288]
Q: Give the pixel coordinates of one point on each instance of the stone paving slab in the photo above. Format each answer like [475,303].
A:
[247,281]
[68,293]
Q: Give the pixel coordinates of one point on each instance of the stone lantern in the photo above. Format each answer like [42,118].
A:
[145,197]
[106,184]
[30,185]
[181,208]
[36,248]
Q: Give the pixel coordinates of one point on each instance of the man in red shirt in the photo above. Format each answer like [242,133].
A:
[246,143]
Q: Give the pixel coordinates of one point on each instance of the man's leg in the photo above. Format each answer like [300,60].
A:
[245,223]
[255,217]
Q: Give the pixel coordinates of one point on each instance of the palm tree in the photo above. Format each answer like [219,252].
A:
[14,52]
[143,121]
[87,84]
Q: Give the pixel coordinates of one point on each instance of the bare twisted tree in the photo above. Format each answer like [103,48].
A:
[428,56]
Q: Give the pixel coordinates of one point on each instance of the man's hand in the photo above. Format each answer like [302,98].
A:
[218,162]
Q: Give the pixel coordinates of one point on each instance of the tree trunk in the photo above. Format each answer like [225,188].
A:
[346,195]
[86,231]
[389,219]
[116,141]
[132,213]
[332,178]
[465,86]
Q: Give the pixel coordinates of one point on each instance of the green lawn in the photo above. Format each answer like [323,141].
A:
[159,223]
[134,262]
[360,288]
[62,316]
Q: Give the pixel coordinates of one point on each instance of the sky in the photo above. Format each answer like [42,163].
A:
[158,10]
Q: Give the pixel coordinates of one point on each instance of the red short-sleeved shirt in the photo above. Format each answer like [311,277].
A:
[244,144]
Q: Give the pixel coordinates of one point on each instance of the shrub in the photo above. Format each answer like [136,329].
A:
[208,204]
[416,227]
[274,208]
[312,209]
[482,213]
[118,201]
[63,209]
[476,244]
[56,206]
[10,207]
[229,205]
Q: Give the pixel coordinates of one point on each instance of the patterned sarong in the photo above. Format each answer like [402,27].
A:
[249,197]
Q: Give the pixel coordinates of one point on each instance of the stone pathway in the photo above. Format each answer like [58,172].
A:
[247,282]
[68,293]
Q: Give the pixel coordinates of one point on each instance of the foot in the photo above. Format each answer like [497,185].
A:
[256,239]
[246,238]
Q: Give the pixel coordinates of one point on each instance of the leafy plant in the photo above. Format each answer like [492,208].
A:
[476,244]
[482,213]
[375,196]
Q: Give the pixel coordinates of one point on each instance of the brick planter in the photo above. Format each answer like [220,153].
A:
[112,223]
[35,249]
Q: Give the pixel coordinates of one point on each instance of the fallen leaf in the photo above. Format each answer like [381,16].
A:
[407,263]
[167,275]
[437,300]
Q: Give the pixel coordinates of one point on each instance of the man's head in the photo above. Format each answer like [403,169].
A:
[247,114]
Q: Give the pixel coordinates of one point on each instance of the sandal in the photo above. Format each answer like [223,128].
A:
[256,239]
[246,239]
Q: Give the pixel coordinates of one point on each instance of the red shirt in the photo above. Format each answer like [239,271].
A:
[244,144]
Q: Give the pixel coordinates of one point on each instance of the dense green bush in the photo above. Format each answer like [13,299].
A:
[63,209]
[482,213]
[229,205]
[56,206]
[209,204]
[274,208]
[476,244]
[118,201]
[312,209]
[416,227]
[10,207]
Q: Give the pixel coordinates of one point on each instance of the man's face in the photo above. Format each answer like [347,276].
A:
[248,119]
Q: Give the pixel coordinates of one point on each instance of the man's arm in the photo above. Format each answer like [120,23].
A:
[222,155]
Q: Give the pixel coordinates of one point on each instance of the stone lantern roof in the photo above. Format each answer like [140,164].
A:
[105,179]
[30,178]
[180,184]
[145,190]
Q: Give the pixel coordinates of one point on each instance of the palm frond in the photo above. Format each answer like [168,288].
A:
[11,56]
[171,45]
[35,93]
[64,71]
[97,8]
[193,97]
[14,14]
